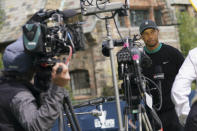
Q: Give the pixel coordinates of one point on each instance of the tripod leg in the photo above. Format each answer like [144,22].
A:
[69,117]
[126,126]
[72,113]
[60,121]
[145,120]
[146,123]
[140,118]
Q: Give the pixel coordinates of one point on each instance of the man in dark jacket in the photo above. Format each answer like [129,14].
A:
[21,108]
[167,60]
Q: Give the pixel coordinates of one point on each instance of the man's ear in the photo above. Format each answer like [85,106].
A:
[141,37]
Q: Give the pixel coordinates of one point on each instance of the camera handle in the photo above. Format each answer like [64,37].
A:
[111,47]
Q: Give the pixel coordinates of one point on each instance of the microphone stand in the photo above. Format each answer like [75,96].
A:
[111,47]
[108,8]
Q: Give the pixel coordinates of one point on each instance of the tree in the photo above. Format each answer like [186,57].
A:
[1,23]
[1,62]
[1,17]
[187,32]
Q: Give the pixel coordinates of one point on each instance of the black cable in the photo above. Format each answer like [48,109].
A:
[89,3]
[125,2]
[118,29]
[97,5]
[151,81]
[113,14]
[160,92]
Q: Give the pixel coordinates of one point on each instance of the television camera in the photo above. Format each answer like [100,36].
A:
[49,33]
[131,61]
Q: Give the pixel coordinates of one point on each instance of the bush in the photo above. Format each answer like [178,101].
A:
[1,17]
[187,32]
[1,23]
[108,91]
[1,62]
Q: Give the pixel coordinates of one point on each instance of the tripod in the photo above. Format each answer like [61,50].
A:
[140,119]
[136,97]
[68,109]
[134,107]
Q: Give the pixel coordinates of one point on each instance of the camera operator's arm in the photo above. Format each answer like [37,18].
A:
[182,86]
[41,118]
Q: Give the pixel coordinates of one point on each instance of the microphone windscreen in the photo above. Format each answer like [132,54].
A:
[158,74]
[105,48]
[158,69]
[68,13]
[146,61]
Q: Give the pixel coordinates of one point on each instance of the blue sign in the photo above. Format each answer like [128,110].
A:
[106,121]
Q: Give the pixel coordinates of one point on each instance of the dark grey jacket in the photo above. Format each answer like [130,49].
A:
[32,116]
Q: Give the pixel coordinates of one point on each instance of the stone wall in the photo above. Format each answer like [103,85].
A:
[180,2]
[16,13]
[92,60]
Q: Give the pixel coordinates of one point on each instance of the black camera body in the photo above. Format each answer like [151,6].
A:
[46,41]
[130,58]
[131,61]
[126,62]
[47,35]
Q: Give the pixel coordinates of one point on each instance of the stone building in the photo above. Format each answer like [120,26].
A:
[90,70]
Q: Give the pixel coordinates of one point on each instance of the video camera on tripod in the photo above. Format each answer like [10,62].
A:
[48,34]
[131,62]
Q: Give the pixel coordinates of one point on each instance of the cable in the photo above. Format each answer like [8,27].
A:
[118,29]
[70,55]
[160,92]
[97,5]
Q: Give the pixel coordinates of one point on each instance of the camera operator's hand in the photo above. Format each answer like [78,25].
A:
[60,78]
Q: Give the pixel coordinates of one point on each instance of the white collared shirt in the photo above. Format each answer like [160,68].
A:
[182,85]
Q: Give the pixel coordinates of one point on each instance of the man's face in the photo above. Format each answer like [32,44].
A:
[150,37]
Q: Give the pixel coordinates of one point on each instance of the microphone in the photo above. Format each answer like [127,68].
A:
[40,16]
[68,13]
[105,46]
[95,101]
[146,61]
[159,75]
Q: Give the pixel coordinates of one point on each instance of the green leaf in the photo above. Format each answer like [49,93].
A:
[187,32]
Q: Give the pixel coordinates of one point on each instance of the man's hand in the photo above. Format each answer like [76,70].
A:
[60,78]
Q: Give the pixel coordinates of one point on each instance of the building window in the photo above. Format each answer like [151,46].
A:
[183,8]
[80,82]
[137,16]
[120,21]
[158,17]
